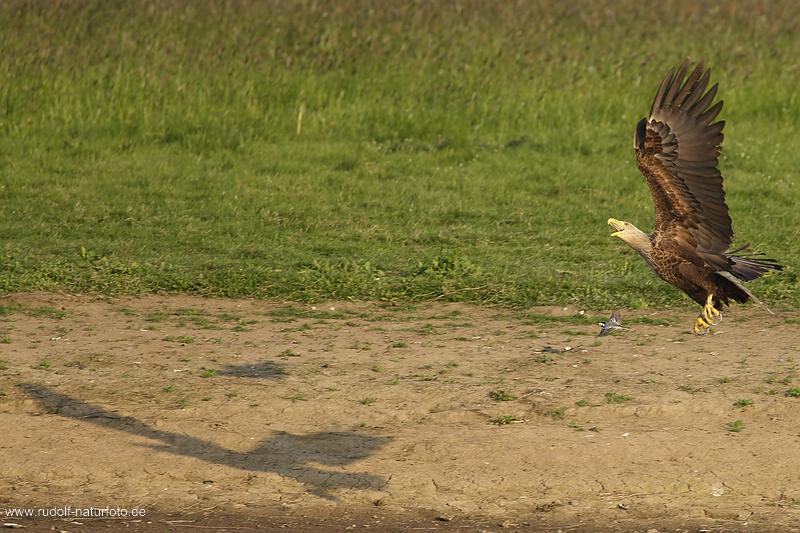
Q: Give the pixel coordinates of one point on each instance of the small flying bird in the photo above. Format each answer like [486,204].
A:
[614,323]
[677,151]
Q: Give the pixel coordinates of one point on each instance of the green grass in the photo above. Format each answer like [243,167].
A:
[691,389]
[208,373]
[501,396]
[735,426]
[556,414]
[504,420]
[314,150]
[182,339]
[613,397]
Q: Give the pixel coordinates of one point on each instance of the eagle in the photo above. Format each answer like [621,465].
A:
[677,150]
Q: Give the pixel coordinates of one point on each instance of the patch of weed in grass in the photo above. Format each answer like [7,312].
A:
[582,403]
[367,401]
[3,364]
[399,344]
[691,389]
[288,353]
[305,326]
[208,373]
[650,321]
[363,346]
[783,377]
[556,414]
[532,319]
[45,311]
[501,396]
[458,324]
[296,398]
[182,339]
[10,309]
[169,388]
[735,426]
[504,420]
[743,402]
[794,392]
[44,365]
[424,329]
[5,339]
[613,397]
[290,313]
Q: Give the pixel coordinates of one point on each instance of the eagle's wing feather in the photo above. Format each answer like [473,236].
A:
[677,150]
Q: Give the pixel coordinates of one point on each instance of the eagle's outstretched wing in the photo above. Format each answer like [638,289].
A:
[677,150]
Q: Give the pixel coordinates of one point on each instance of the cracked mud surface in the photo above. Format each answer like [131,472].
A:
[251,414]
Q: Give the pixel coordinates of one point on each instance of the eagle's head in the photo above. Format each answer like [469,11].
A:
[620,227]
[629,233]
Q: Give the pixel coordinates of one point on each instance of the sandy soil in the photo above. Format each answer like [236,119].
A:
[239,414]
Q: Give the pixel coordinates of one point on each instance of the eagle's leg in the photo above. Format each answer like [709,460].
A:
[710,313]
[710,316]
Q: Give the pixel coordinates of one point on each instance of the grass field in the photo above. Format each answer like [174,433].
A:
[401,150]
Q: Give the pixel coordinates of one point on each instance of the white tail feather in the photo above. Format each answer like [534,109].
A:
[730,277]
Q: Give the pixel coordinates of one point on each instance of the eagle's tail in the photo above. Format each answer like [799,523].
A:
[736,290]
[748,267]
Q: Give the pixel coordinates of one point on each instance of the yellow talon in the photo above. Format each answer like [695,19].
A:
[701,327]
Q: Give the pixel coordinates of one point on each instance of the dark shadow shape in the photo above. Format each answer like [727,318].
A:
[266,369]
[284,453]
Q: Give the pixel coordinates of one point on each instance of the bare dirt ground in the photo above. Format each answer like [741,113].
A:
[243,415]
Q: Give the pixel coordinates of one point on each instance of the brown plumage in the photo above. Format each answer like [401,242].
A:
[677,150]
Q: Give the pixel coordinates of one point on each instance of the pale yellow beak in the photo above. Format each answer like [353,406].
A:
[618,225]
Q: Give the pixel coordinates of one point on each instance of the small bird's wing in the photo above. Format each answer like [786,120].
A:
[612,324]
[677,150]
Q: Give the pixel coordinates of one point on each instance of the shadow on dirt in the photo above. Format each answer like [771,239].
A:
[266,369]
[283,453]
